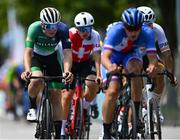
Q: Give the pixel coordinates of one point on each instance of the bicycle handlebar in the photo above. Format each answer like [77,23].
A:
[133,75]
[48,78]
[45,78]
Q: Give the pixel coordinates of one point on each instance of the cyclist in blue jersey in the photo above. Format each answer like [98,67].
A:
[121,46]
[41,51]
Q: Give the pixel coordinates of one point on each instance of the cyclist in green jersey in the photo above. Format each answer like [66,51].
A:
[41,51]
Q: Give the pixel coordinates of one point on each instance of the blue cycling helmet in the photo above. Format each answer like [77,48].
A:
[132,17]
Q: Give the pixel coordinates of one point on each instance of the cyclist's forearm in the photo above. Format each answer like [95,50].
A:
[97,59]
[168,61]
[153,59]
[27,59]
[105,60]
[98,72]
[67,60]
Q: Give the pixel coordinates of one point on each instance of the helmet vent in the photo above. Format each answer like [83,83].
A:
[85,21]
[146,17]
[52,14]
[78,23]
[150,16]
[149,12]
[45,18]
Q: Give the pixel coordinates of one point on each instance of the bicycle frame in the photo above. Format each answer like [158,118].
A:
[76,100]
[74,130]
[150,103]
[45,124]
[151,120]
[124,100]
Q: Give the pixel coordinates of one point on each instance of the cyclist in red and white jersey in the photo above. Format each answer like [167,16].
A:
[162,45]
[84,42]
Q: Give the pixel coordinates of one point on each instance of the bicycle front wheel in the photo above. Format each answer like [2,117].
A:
[132,120]
[129,122]
[157,124]
[87,125]
[150,122]
[47,122]
[78,120]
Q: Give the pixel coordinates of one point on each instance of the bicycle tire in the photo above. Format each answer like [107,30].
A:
[133,134]
[150,122]
[157,124]
[129,111]
[78,120]
[47,124]
[39,131]
[68,129]
[51,132]
[87,128]
[115,132]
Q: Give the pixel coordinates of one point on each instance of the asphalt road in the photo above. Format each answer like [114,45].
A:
[24,130]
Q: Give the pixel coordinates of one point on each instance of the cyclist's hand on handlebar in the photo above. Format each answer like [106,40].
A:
[151,70]
[173,80]
[68,77]
[114,68]
[26,75]
[98,80]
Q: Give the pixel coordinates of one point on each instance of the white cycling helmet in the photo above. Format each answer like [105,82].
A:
[83,19]
[149,16]
[50,15]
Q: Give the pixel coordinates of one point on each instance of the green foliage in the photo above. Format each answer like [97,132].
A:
[104,11]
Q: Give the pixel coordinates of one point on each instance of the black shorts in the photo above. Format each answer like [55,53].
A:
[145,62]
[50,63]
[82,69]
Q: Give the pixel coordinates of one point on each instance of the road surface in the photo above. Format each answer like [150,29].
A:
[24,130]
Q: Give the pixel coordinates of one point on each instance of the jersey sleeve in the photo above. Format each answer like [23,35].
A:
[31,35]
[150,41]
[97,43]
[161,39]
[109,41]
[72,31]
[66,44]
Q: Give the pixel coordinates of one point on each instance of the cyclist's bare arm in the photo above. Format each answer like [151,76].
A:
[27,58]
[153,63]
[105,61]
[168,61]
[27,63]
[97,59]
[67,60]
[68,65]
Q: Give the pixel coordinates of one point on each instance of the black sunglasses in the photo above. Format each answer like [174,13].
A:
[132,28]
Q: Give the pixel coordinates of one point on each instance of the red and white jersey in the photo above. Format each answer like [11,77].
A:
[82,48]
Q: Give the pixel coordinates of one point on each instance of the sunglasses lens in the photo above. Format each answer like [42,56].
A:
[85,29]
[51,26]
[132,28]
